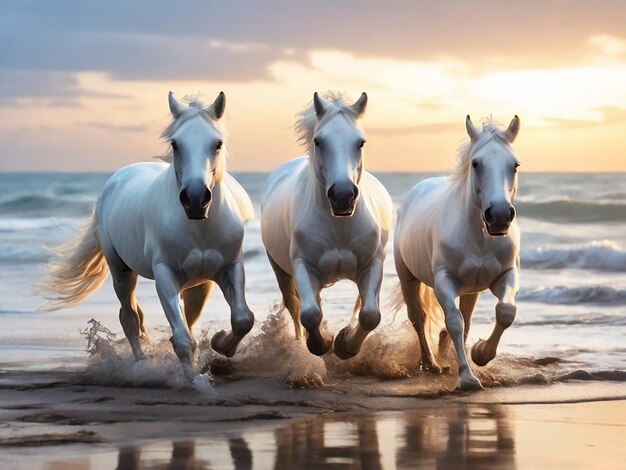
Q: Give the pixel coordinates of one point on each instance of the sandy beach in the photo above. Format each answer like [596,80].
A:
[57,420]
[276,406]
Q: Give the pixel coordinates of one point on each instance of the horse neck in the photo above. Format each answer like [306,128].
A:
[170,185]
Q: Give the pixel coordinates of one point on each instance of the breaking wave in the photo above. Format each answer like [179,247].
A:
[572,211]
[598,254]
[561,295]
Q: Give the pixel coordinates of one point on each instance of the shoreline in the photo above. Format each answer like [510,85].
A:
[53,416]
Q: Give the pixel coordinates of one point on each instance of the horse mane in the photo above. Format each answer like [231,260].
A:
[197,106]
[491,131]
[306,120]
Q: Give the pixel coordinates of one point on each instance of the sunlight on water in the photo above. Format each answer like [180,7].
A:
[471,436]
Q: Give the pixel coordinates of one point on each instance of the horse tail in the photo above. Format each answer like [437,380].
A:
[76,271]
[434,322]
[396,300]
[357,306]
[435,318]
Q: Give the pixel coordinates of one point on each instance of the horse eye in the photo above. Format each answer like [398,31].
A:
[316,142]
[362,143]
[174,144]
[475,163]
[517,166]
[219,145]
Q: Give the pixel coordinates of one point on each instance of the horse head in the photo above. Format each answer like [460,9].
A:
[493,173]
[196,141]
[337,151]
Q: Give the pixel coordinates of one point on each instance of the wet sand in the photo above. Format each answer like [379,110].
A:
[59,420]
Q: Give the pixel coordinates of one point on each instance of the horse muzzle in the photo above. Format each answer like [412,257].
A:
[498,219]
[342,198]
[196,203]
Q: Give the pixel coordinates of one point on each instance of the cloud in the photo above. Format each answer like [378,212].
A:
[115,128]
[439,128]
[609,115]
[238,40]
[36,88]
[139,56]
[15,84]
[608,45]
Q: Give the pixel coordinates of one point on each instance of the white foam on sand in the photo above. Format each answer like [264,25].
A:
[389,355]
[111,362]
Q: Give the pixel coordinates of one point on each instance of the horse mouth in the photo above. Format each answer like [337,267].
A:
[499,232]
[196,215]
[344,213]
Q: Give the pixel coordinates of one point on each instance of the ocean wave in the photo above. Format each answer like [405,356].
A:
[595,319]
[28,254]
[561,295]
[38,205]
[36,223]
[603,255]
[566,211]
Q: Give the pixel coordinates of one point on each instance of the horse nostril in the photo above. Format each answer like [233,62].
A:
[206,197]
[488,216]
[185,200]
[355,192]
[511,213]
[331,192]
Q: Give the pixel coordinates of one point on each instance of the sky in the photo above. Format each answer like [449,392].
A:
[83,83]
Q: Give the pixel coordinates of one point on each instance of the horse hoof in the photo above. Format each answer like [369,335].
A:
[479,356]
[339,347]
[140,357]
[470,384]
[317,347]
[432,368]
[217,344]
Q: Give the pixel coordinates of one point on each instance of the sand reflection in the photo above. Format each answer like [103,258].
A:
[474,436]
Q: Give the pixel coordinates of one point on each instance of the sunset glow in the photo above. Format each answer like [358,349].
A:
[570,94]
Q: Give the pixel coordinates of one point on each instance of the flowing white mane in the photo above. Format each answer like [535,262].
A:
[198,106]
[306,120]
[491,131]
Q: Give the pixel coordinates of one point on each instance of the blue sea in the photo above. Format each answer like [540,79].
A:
[572,302]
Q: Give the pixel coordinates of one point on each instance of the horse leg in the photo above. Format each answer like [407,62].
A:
[505,288]
[348,341]
[168,288]
[290,295]
[309,285]
[446,291]
[131,316]
[410,287]
[467,303]
[194,300]
[232,281]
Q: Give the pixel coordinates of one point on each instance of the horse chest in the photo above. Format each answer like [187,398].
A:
[337,264]
[202,263]
[479,271]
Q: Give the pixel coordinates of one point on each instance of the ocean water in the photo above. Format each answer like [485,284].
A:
[572,302]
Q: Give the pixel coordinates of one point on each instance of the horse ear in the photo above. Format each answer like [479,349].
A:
[320,105]
[175,107]
[360,105]
[471,129]
[511,133]
[218,105]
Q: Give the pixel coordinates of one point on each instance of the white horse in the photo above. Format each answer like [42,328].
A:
[180,224]
[324,219]
[456,237]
